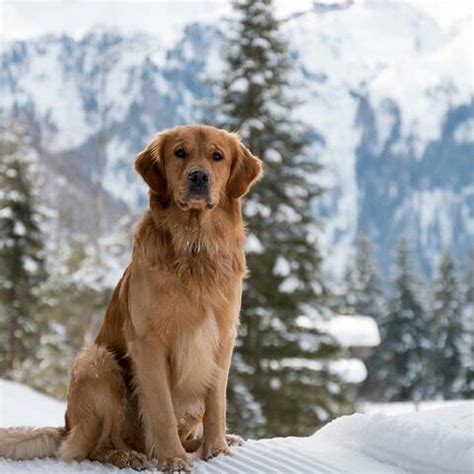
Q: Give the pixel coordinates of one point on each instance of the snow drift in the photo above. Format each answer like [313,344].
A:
[409,443]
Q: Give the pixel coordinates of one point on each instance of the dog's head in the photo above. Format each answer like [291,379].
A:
[197,167]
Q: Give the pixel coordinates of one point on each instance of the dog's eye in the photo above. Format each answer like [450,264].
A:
[217,156]
[180,153]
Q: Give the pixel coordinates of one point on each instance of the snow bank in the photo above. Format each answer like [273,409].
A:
[411,443]
[20,405]
[431,441]
[402,408]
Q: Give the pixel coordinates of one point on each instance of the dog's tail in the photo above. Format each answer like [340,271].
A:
[27,443]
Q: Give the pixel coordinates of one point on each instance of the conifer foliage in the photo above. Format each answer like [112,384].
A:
[399,366]
[364,296]
[22,258]
[467,311]
[447,331]
[281,383]
[364,287]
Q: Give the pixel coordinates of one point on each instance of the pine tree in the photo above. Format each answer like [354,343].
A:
[446,331]
[67,308]
[467,377]
[75,298]
[364,295]
[399,369]
[22,258]
[364,288]
[281,381]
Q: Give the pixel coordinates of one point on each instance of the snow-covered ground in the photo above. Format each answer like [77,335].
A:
[437,439]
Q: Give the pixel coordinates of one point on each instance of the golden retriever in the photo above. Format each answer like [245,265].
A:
[153,384]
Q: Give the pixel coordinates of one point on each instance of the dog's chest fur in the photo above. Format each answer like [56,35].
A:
[193,361]
[194,278]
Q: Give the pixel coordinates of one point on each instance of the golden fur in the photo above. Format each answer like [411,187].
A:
[153,384]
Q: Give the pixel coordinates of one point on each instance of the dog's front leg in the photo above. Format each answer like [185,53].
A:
[214,423]
[159,421]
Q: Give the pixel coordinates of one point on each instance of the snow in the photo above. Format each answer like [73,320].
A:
[253,208]
[22,406]
[288,214]
[282,267]
[465,132]
[436,210]
[341,58]
[406,408]
[348,331]
[272,156]
[253,244]
[289,284]
[30,265]
[352,370]
[240,85]
[19,228]
[6,213]
[352,331]
[408,63]
[431,441]
[413,444]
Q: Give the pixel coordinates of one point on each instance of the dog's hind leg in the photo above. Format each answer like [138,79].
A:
[97,402]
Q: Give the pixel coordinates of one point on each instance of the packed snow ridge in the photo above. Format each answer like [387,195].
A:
[428,441]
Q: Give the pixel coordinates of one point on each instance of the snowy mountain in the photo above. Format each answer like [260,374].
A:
[387,92]
[435,440]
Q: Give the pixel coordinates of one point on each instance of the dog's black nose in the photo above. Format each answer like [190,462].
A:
[198,178]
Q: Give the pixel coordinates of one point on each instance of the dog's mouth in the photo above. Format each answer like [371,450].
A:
[195,202]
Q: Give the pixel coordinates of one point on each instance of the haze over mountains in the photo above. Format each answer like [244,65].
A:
[387,92]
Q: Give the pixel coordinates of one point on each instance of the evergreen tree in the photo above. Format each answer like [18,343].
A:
[364,293]
[446,331]
[399,368]
[281,382]
[467,377]
[68,306]
[22,259]
[75,298]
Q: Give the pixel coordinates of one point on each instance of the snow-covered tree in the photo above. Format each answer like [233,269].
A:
[22,257]
[74,300]
[399,366]
[364,294]
[280,383]
[467,377]
[446,328]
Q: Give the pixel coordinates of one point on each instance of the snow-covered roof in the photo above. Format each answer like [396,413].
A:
[427,441]
[354,331]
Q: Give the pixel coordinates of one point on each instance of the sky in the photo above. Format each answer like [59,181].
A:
[28,18]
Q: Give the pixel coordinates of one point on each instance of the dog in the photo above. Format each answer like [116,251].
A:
[152,386]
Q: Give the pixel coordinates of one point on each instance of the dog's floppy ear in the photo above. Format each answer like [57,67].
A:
[149,164]
[246,170]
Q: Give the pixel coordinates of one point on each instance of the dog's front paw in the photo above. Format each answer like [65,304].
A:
[234,440]
[139,461]
[175,464]
[212,449]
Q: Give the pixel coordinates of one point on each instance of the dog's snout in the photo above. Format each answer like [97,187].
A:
[198,176]
[198,180]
